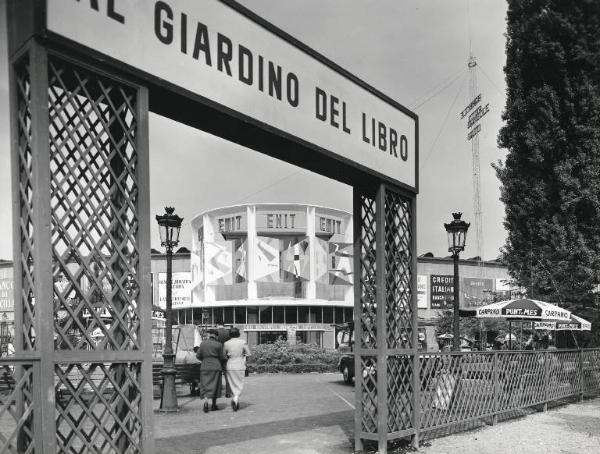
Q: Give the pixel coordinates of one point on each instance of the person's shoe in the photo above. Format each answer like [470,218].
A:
[233,405]
[205,407]
[236,407]
[214,407]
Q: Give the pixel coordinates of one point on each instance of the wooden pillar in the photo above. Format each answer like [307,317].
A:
[382,358]
[78,208]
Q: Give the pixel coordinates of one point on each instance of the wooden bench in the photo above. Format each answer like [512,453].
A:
[186,374]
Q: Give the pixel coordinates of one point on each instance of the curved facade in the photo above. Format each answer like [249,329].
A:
[274,270]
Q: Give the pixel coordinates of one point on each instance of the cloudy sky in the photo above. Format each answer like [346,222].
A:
[414,51]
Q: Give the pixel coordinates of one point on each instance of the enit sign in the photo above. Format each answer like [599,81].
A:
[211,49]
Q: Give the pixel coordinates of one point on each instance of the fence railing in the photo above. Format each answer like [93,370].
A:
[462,387]
[19,397]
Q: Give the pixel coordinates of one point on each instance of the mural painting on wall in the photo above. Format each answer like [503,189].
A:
[442,291]
[281,259]
[333,262]
[225,261]
[295,260]
[197,267]
[340,260]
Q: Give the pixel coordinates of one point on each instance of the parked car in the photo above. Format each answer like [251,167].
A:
[345,338]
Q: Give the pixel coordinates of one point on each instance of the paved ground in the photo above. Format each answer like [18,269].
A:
[279,413]
[313,413]
[569,429]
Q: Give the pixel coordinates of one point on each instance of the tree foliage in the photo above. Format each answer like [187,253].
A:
[551,175]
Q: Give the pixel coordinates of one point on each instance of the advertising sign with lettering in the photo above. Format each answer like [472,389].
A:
[442,291]
[421,291]
[7,303]
[326,224]
[280,221]
[476,291]
[503,289]
[181,290]
[212,50]
[231,223]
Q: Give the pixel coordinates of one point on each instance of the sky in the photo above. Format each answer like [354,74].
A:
[414,51]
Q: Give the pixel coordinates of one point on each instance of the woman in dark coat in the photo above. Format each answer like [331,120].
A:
[211,354]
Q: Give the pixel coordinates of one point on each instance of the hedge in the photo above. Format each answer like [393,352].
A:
[283,357]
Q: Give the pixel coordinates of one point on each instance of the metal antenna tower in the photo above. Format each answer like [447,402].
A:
[476,168]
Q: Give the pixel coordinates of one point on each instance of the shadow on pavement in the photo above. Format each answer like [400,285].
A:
[199,442]
[588,425]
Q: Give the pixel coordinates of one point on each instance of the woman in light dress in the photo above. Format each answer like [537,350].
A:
[237,351]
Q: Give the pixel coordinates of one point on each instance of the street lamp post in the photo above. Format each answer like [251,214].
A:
[457,233]
[169,225]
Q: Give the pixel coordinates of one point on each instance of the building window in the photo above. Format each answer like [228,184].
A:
[302,314]
[210,319]
[339,315]
[266,315]
[228,315]
[218,316]
[291,314]
[278,314]
[270,337]
[327,314]
[316,314]
[348,314]
[240,315]
[252,314]
[310,337]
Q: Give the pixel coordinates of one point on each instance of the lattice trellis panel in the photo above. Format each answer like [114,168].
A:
[385,316]
[398,275]
[98,408]
[590,370]
[85,173]
[369,393]
[368,289]
[400,392]
[94,193]
[16,421]
[564,374]
[461,387]
[25,188]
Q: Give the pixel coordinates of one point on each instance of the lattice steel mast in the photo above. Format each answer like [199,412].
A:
[476,168]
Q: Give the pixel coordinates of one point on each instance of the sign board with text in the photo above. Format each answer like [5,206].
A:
[181,290]
[7,303]
[422,291]
[215,50]
[442,291]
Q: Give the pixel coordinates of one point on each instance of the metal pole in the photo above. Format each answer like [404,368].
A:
[456,319]
[169,397]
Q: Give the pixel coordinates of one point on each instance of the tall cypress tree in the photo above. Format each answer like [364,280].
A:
[551,175]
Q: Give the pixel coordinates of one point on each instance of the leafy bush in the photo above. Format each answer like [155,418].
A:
[299,358]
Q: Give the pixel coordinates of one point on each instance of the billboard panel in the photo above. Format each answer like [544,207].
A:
[442,291]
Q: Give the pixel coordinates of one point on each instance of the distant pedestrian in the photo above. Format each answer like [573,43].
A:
[237,351]
[210,352]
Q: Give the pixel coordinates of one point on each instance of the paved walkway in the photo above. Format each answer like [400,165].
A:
[313,413]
